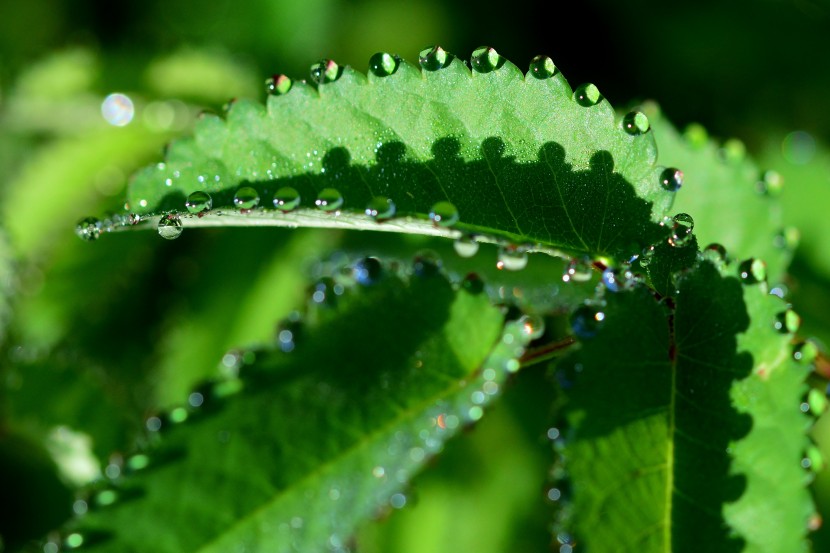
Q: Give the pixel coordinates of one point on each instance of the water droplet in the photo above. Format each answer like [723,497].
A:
[814,459]
[367,271]
[383,64]
[444,214]
[397,500]
[682,227]
[770,183]
[578,270]
[473,284]
[325,71]
[587,95]
[286,199]
[646,256]
[512,258]
[787,238]
[426,264]
[752,271]
[73,540]
[532,325]
[635,123]
[787,322]
[715,253]
[434,58]
[380,208]
[466,246]
[323,292]
[798,147]
[199,202]
[246,198]
[616,280]
[542,67]
[696,135]
[671,179]
[105,498]
[329,199]
[805,352]
[137,462]
[170,227]
[88,229]
[485,59]
[733,150]
[817,401]
[288,332]
[118,109]
[278,85]
[586,321]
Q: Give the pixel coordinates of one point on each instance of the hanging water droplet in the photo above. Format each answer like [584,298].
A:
[682,227]
[383,64]
[586,321]
[278,85]
[787,322]
[286,199]
[635,123]
[246,198]
[770,183]
[170,227]
[473,284]
[325,71]
[752,271]
[512,258]
[426,264]
[88,229]
[542,67]
[532,325]
[434,58]
[715,253]
[199,202]
[466,246]
[329,199]
[587,95]
[671,179]
[578,270]
[380,208]
[485,59]
[367,271]
[805,352]
[444,214]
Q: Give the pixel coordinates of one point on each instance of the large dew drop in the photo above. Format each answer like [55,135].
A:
[286,199]
[466,246]
[682,227]
[367,271]
[578,270]
[170,227]
[325,71]
[278,85]
[752,271]
[512,258]
[486,59]
[542,67]
[587,95]
[383,64]
[329,199]
[443,214]
[199,202]
[787,322]
[246,198]
[380,208]
[435,58]
[532,325]
[88,229]
[635,123]
[671,179]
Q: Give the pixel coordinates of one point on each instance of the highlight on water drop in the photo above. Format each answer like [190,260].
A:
[586,321]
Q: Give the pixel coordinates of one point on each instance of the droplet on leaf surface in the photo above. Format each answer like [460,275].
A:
[443,214]
[88,229]
[380,208]
[383,64]
[286,199]
[170,227]
[199,202]
[329,199]
[246,198]
[542,67]
[434,58]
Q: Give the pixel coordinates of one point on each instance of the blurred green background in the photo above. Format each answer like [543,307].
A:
[99,335]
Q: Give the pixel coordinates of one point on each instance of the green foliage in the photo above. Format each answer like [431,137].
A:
[280,389]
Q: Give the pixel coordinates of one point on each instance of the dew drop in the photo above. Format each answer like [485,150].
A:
[443,214]
[278,85]
[512,258]
[434,58]
[88,229]
[771,183]
[329,199]
[426,264]
[286,199]
[397,501]
[586,321]
[617,280]
[380,208]
[787,238]
[288,332]
[74,540]
[325,71]
[383,64]
[199,202]
[542,67]
[324,292]
[578,270]
[805,352]
[473,284]
[587,95]
[787,322]
[733,150]
[696,135]
[485,59]
[715,253]
[533,326]
[752,271]
[682,227]
[466,246]
[367,271]
[246,198]
[671,179]
[646,256]
[817,401]
[170,227]
[635,123]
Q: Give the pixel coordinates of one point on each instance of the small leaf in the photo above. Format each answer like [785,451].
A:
[323,435]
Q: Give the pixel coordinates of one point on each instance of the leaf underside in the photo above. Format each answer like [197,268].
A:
[518,156]
[322,437]
[671,436]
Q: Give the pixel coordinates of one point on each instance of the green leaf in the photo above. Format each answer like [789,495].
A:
[322,437]
[654,408]
[733,202]
[522,157]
